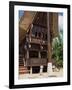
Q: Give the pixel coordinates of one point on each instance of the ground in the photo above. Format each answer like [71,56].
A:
[56,73]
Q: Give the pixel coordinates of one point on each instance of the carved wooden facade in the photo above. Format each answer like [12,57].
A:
[36,31]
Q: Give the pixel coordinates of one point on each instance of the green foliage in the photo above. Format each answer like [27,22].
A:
[57,54]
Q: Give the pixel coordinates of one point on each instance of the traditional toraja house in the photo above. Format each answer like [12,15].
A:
[36,32]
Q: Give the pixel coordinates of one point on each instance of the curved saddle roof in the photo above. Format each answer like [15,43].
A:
[37,18]
[24,23]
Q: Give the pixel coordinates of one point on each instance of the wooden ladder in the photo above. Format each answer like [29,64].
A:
[22,69]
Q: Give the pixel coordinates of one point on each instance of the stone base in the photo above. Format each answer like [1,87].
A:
[30,70]
[41,69]
[49,68]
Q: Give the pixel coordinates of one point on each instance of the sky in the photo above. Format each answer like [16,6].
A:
[21,12]
[61,21]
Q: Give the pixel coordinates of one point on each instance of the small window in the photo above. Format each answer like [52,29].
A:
[45,47]
[35,46]
[45,36]
[43,54]
[39,34]
[33,54]
[35,34]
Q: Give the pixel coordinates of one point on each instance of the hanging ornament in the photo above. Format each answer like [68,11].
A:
[31,26]
[27,39]
[25,47]
[41,47]
[43,42]
[29,45]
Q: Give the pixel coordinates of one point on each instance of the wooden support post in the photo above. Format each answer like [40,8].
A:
[30,34]
[49,55]
[28,58]
[41,67]
[27,54]
[39,55]
[31,70]
[24,61]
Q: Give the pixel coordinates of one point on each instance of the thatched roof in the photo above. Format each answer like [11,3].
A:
[38,18]
[24,23]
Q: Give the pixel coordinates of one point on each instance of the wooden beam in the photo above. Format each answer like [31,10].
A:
[49,64]
[53,17]
[30,33]
[48,39]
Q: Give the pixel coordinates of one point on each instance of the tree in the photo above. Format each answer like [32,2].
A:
[58,50]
